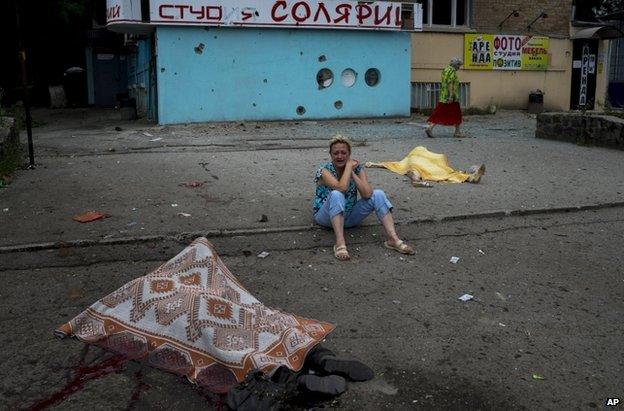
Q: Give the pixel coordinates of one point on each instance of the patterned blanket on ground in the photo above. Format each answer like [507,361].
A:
[192,317]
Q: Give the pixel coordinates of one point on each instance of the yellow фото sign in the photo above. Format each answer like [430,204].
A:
[505,52]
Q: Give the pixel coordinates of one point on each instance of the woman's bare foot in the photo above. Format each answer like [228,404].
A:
[476,172]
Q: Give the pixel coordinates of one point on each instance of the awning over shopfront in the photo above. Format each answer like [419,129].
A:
[598,32]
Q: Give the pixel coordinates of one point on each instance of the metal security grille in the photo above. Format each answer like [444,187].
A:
[616,65]
[426,95]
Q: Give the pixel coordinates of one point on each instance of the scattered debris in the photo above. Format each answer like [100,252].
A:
[146,134]
[500,296]
[263,219]
[536,376]
[454,259]
[118,128]
[174,205]
[263,254]
[246,253]
[325,289]
[184,214]
[90,216]
[502,325]
[5,209]
[192,184]
[75,293]
[466,297]
[481,251]
[156,139]
[131,224]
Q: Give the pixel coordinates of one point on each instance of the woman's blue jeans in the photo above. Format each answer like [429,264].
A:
[335,204]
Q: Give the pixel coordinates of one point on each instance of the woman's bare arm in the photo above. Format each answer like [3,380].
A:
[332,182]
[363,186]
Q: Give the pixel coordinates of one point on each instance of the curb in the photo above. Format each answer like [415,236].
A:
[187,237]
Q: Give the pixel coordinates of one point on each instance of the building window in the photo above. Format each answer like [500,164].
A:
[449,13]
[371,77]
[427,95]
[324,78]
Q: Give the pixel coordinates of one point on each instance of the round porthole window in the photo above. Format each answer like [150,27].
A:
[372,77]
[324,78]
[348,77]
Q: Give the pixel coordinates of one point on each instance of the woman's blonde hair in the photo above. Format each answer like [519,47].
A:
[339,139]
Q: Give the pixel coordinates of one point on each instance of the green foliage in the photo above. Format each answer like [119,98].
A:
[70,10]
[11,158]
[18,113]
[605,7]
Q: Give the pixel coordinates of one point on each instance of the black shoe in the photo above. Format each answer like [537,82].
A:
[330,385]
[326,361]
[353,370]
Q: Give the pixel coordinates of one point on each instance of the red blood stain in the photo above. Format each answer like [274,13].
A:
[81,375]
[141,386]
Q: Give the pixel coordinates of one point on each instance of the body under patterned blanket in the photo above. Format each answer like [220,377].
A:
[191,316]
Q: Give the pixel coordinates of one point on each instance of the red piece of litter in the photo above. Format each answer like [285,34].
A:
[90,216]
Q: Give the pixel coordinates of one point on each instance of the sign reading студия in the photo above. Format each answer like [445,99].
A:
[344,14]
[505,52]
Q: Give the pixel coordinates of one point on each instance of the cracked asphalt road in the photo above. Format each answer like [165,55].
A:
[548,285]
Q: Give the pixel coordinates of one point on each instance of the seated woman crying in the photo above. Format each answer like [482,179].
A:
[336,204]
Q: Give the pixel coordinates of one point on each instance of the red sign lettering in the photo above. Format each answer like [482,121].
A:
[306,12]
[363,12]
[321,7]
[274,16]
[343,11]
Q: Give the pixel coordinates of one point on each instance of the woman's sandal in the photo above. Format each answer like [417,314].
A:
[459,135]
[341,253]
[400,246]
[429,132]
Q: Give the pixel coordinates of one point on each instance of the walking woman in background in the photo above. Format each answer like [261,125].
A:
[447,112]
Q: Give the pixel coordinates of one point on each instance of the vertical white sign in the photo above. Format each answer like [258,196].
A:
[584,73]
[418,16]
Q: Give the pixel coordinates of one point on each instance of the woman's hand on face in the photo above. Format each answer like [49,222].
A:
[353,162]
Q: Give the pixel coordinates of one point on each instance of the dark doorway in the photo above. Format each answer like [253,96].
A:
[584,67]
[109,77]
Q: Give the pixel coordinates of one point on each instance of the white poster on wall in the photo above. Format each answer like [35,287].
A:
[279,13]
[123,11]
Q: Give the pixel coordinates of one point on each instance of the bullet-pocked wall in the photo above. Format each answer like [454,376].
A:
[228,74]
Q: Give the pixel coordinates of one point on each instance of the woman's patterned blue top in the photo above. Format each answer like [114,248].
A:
[323,191]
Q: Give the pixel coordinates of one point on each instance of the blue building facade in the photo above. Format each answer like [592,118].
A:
[233,60]
[227,74]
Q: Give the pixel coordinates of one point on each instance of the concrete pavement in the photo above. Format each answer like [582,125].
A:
[250,169]
[548,284]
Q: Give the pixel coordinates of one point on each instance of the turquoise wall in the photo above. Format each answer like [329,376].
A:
[225,74]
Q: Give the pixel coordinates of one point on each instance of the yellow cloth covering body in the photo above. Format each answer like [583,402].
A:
[430,166]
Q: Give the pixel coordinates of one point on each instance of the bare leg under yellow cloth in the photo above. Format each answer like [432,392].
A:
[421,164]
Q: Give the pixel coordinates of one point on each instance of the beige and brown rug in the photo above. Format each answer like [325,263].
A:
[192,317]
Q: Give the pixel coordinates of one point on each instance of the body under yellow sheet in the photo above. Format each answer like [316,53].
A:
[430,166]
